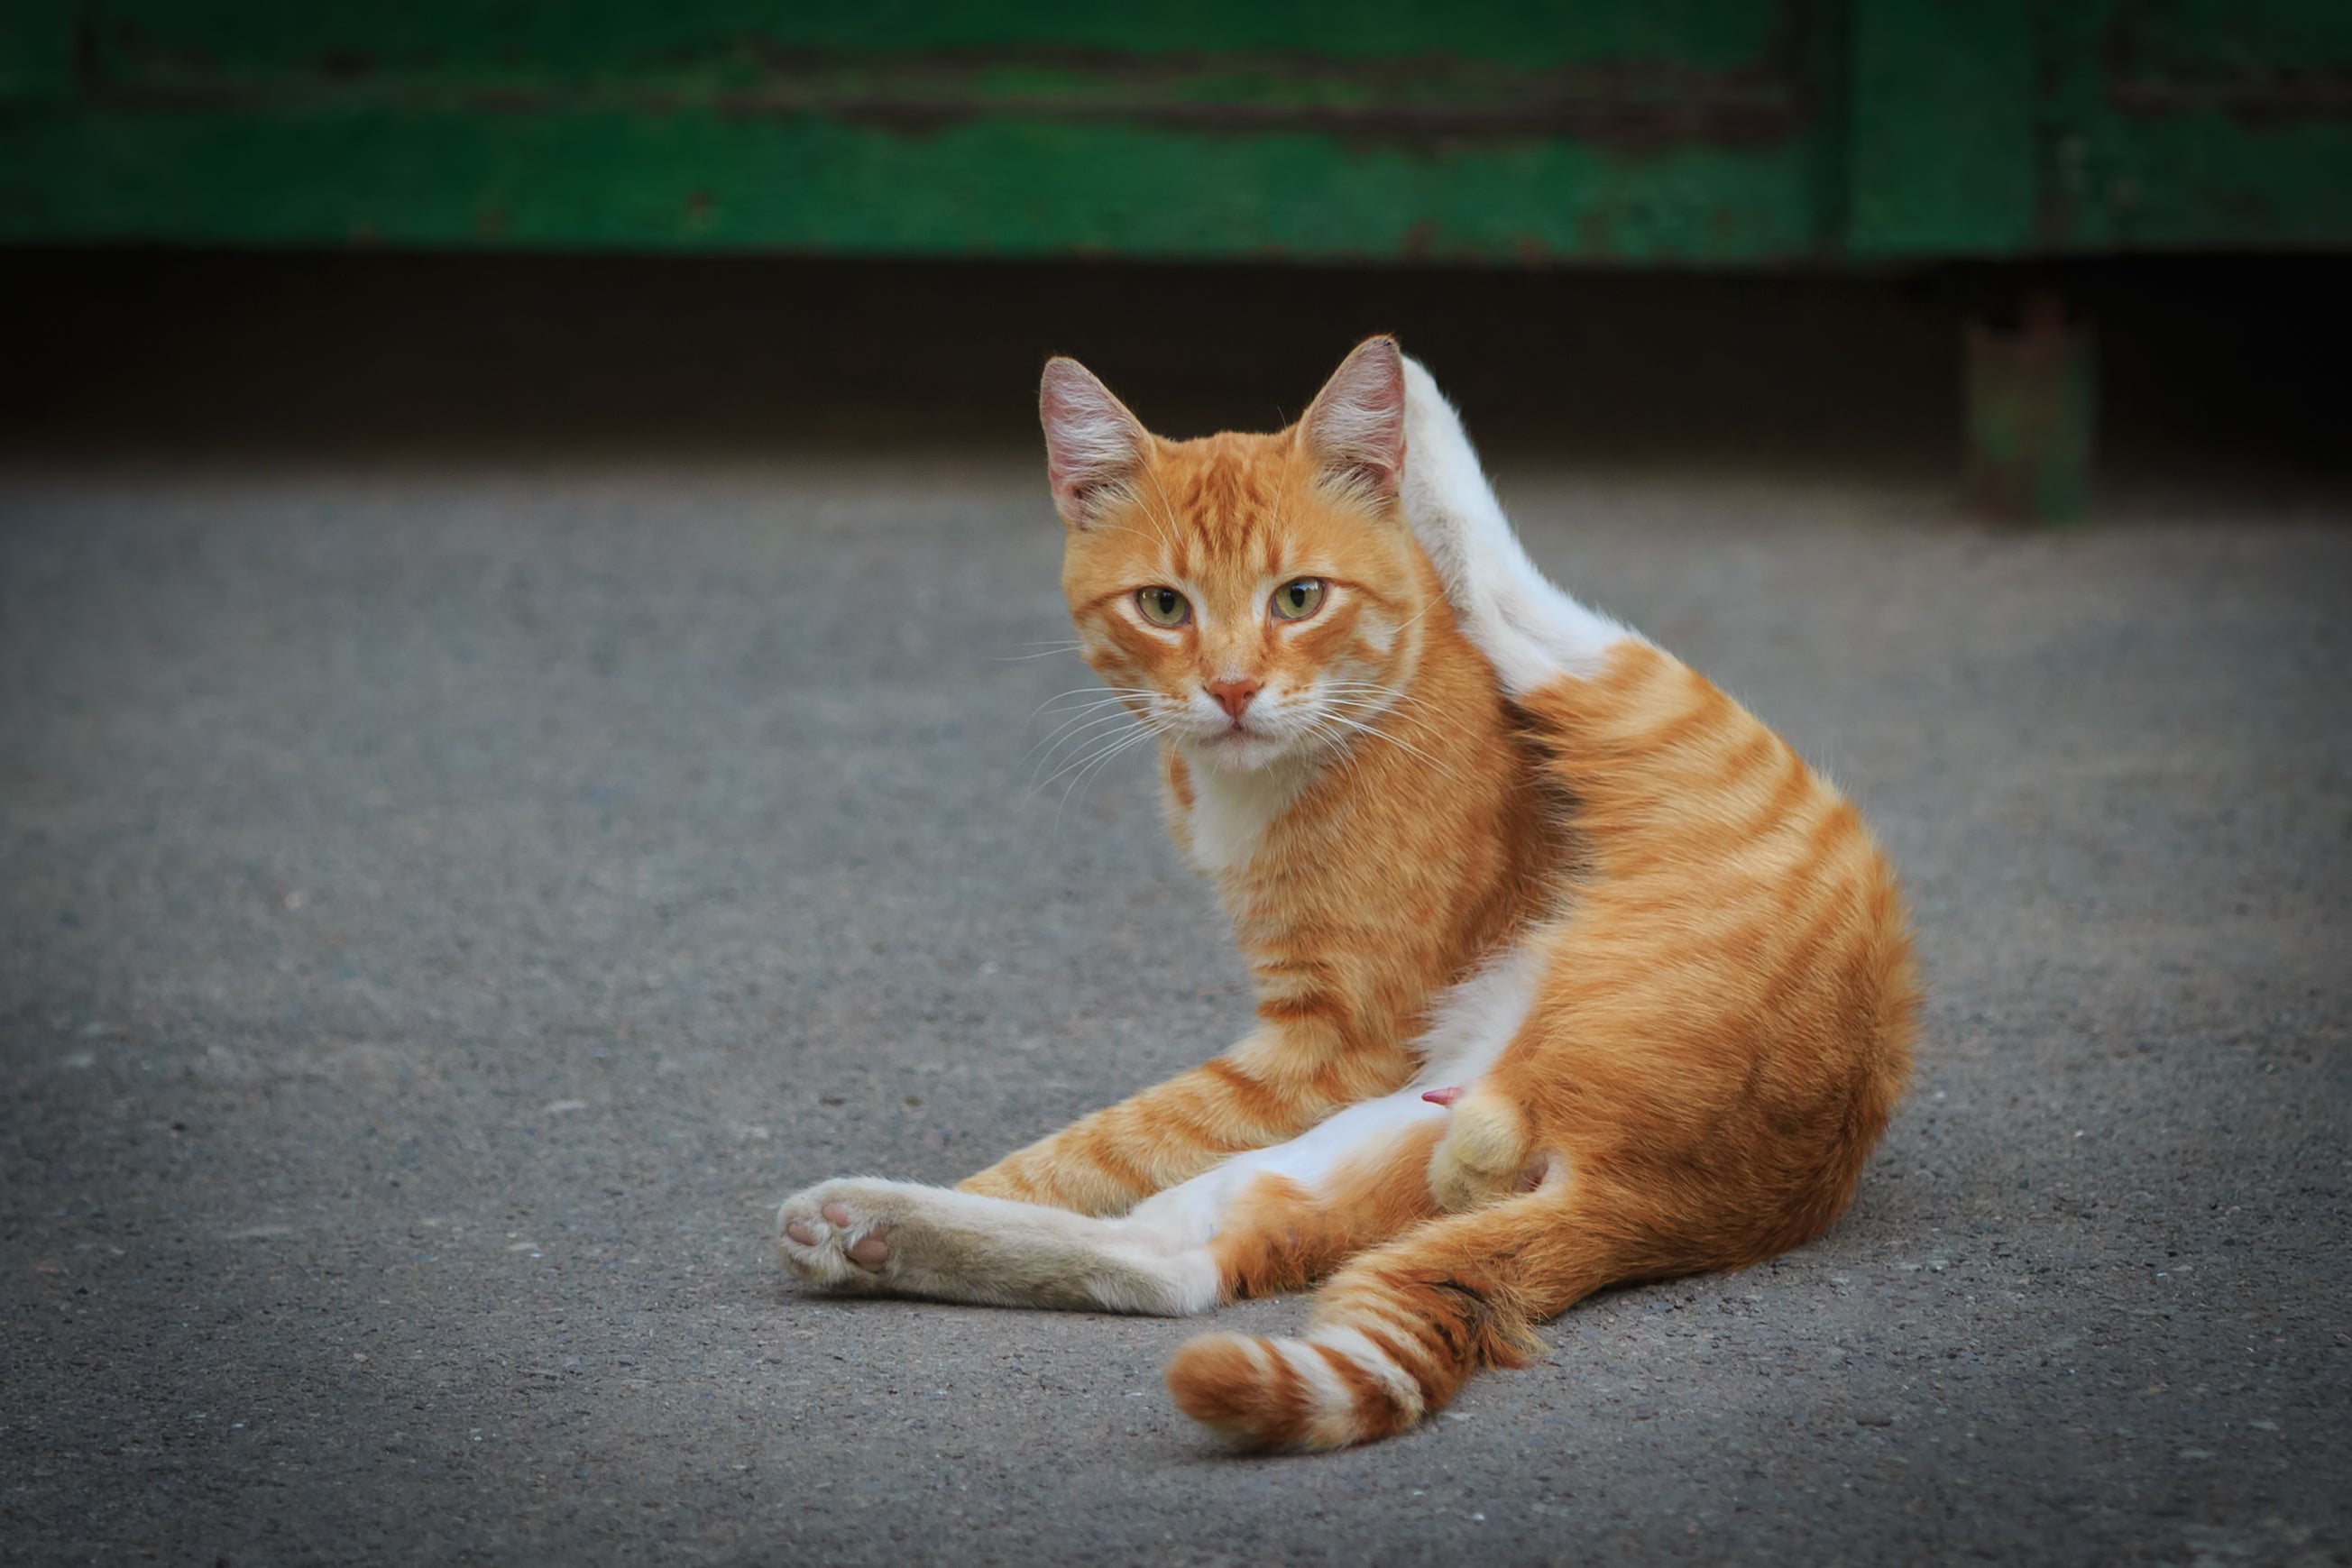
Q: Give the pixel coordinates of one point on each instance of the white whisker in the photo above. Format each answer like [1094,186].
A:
[1127,743]
[1096,747]
[1360,728]
[1093,731]
[1087,691]
[1400,712]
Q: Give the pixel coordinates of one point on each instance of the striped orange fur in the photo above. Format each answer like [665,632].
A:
[1719,1040]
[1652,969]
[1384,881]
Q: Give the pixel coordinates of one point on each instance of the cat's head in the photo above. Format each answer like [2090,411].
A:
[1254,597]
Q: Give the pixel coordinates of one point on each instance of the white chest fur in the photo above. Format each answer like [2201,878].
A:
[1230,811]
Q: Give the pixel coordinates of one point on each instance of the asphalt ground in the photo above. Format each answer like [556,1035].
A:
[442,911]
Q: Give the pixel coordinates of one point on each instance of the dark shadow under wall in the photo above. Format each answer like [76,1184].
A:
[2224,365]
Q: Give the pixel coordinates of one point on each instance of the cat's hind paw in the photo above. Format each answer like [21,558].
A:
[836,1235]
[1482,1157]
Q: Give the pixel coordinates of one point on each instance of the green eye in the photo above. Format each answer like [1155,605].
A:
[1298,599]
[1162,606]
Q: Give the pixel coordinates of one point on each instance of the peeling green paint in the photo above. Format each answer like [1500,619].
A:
[1742,132]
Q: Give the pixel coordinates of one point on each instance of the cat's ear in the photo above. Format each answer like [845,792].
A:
[1092,445]
[1355,428]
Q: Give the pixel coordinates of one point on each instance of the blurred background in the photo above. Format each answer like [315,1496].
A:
[2002,242]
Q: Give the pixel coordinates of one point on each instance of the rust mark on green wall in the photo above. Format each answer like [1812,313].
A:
[2150,73]
[1625,105]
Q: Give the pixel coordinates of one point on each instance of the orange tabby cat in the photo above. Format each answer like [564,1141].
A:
[1569,971]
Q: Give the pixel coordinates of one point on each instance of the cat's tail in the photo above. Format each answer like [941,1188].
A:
[1397,1331]
[1529,630]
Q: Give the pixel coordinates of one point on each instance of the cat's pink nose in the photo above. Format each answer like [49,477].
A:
[1233,695]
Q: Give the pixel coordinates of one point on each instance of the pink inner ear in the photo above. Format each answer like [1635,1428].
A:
[1357,423]
[1090,438]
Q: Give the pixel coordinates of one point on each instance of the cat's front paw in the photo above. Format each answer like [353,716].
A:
[836,1235]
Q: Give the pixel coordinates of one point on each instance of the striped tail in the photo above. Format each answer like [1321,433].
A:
[1396,1333]
[1316,1392]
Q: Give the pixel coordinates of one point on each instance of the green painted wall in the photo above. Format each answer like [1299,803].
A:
[1646,131]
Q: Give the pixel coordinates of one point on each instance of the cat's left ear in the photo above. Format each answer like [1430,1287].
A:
[1355,428]
[1093,444]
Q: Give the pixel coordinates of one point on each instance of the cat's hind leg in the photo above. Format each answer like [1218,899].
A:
[1268,1220]
[868,1236]
[1396,1332]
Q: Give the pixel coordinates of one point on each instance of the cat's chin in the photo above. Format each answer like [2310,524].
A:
[1237,751]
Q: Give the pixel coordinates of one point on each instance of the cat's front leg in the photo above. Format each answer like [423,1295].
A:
[1271,1087]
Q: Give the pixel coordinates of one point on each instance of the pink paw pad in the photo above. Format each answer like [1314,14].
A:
[872,1250]
[869,1252]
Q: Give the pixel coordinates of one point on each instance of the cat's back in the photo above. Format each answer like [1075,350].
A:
[1679,787]
[1739,938]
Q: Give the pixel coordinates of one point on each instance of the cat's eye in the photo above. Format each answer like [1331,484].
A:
[1298,599]
[1162,606]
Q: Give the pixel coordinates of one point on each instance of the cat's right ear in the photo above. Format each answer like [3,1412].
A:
[1094,446]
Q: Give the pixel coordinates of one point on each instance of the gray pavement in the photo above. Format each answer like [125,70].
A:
[442,912]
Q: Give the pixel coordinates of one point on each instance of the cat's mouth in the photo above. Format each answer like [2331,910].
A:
[1226,729]
[1238,745]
